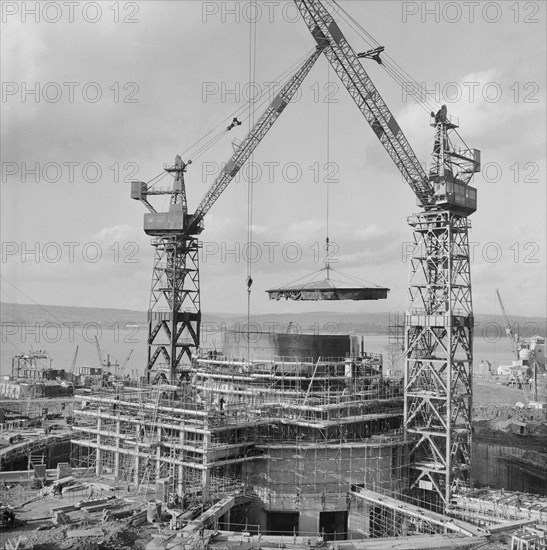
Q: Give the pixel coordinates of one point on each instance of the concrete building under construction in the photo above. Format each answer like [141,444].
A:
[297,424]
[293,428]
[295,434]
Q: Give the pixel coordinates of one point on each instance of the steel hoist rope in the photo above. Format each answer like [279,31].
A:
[251,120]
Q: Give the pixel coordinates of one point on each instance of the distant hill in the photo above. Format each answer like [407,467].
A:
[325,322]
[28,313]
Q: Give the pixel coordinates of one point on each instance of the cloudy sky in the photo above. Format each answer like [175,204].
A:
[97,94]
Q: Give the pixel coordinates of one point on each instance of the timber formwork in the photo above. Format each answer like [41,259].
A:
[294,433]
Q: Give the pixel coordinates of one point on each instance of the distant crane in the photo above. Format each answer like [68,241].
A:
[525,373]
[99,352]
[105,364]
[73,366]
[125,361]
[509,330]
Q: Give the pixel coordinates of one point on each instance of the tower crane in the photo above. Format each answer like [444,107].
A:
[439,320]
[174,314]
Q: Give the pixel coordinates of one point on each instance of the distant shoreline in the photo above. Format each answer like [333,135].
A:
[487,326]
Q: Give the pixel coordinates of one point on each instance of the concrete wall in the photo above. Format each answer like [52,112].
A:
[358,520]
[311,480]
[264,345]
[486,466]
[490,467]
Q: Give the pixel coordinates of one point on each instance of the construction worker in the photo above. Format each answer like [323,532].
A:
[441,115]
[9,518]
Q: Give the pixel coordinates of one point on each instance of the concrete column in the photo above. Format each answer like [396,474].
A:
[358,520]
[98,452]
[181,485]
[308,522]
[137,458]
[158,454]
[117,453]
[206,473]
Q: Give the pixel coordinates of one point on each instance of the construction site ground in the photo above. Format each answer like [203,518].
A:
[91,530]
[127,526]
[495,412]
[488,391]
[85,529]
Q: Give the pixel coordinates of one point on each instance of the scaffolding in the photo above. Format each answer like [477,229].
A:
[35,365]
[292,433]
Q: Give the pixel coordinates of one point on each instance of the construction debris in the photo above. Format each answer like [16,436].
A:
[83,533]
[19,543]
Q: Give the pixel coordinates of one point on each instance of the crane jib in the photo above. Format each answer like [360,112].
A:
[328,35]
[254,137]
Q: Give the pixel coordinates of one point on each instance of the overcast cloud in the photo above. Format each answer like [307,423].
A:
[152,72]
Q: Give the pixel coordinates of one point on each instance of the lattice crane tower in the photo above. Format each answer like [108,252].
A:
[174,314]
[439,320]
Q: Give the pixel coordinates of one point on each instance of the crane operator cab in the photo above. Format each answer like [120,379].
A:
[176,221]
[456,197]
[452,168]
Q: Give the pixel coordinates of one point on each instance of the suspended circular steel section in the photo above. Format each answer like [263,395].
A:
[328,284]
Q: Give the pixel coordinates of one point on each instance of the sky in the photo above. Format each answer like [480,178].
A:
[95,94]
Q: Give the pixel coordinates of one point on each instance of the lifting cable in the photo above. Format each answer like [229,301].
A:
[392,68]
[251,120]
[195,151]
[200,147]
[397,73]
[327,242]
